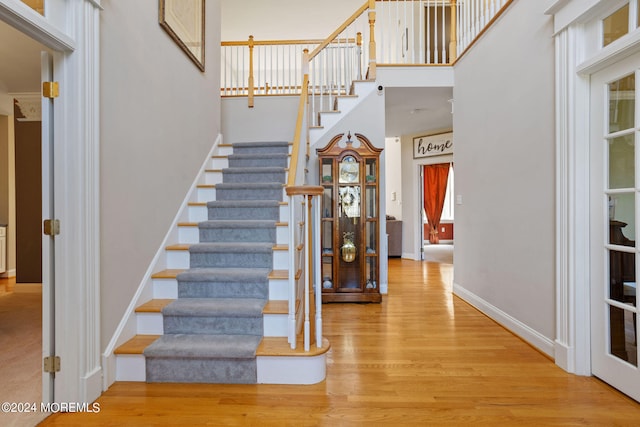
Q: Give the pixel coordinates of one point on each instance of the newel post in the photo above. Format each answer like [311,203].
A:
[251,87]
[453,44]
[371,75]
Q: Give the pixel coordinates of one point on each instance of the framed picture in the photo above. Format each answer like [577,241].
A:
[184,21]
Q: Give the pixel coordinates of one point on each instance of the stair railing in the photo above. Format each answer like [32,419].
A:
[340,60]
[304,240]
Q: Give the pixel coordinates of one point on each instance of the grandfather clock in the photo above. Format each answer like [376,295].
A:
[350,230]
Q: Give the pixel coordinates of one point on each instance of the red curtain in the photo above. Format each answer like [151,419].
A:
[435,188]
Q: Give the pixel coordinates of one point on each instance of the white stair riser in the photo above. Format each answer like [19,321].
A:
[278,289]
[282,234]
[149,323]
[131,367]
[219,163]
[291,370]
[213,177]
[188,234]
[178,259]
[280,260]
[198,213]
[284,213]
[206,194]
[329,119]
[165,288]
[225,150]
[271,369]
[275,325]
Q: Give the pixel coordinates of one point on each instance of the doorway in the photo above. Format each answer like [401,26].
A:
[614,191]
[437,206]
[25,309]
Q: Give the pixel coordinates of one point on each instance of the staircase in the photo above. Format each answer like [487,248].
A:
[226,319]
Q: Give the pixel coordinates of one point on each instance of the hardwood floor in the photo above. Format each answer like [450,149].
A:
[421,357]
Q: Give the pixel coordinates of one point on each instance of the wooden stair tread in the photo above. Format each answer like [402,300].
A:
[136,345]
[280,247]
[197,203]
[187,224]
[169,273]
[154,306]
[282,274]
[206,186]
[278,346]
[278,307]
[178,247]
[282,224]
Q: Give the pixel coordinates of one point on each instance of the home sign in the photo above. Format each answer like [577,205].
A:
[433,145]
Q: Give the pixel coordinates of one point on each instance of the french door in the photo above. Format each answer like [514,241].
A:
[614,199]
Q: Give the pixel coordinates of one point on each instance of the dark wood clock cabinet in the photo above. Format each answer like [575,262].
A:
[350,229]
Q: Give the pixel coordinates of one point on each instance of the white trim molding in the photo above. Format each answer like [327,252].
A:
[572,209]
[23,18]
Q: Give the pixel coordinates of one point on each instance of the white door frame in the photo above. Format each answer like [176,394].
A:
[573,71]
[73,32]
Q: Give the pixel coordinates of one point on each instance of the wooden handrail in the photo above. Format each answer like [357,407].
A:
[291,180]
[281,42]
[340,29]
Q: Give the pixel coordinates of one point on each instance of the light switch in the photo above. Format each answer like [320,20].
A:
[459,199]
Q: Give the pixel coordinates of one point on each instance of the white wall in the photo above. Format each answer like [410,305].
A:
[160,116]
[272,118]
[504,165]
[284,19]
[393,176]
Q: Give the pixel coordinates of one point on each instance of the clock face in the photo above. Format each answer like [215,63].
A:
[349,170]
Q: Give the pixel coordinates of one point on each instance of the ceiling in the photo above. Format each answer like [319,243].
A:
[408,110]
[412,110]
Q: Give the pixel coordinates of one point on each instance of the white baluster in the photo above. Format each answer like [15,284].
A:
[317,271]
[292,274]
[444,32]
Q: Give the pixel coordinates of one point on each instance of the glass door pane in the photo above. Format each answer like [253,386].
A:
[620,197]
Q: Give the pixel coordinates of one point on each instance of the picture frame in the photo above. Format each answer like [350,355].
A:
[184,21]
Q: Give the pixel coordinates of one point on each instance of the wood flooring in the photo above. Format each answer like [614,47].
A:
[422,357]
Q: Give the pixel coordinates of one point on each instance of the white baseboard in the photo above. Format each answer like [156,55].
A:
[564,356]
[8,274]
[512,324]
[91,385]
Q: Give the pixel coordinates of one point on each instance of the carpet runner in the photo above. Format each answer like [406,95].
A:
[213,328]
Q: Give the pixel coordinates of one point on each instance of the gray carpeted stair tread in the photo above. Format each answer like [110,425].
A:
[226,247]
[249,185]
[260,144]
[257,170]
[215,307]
[224,275]
[204,346]
[248,204]
[229,223]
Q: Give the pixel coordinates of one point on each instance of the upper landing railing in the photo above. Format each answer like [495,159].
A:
[383,32]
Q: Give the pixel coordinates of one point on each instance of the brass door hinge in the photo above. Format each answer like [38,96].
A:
[52,364]
[50,89]
[51,227]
